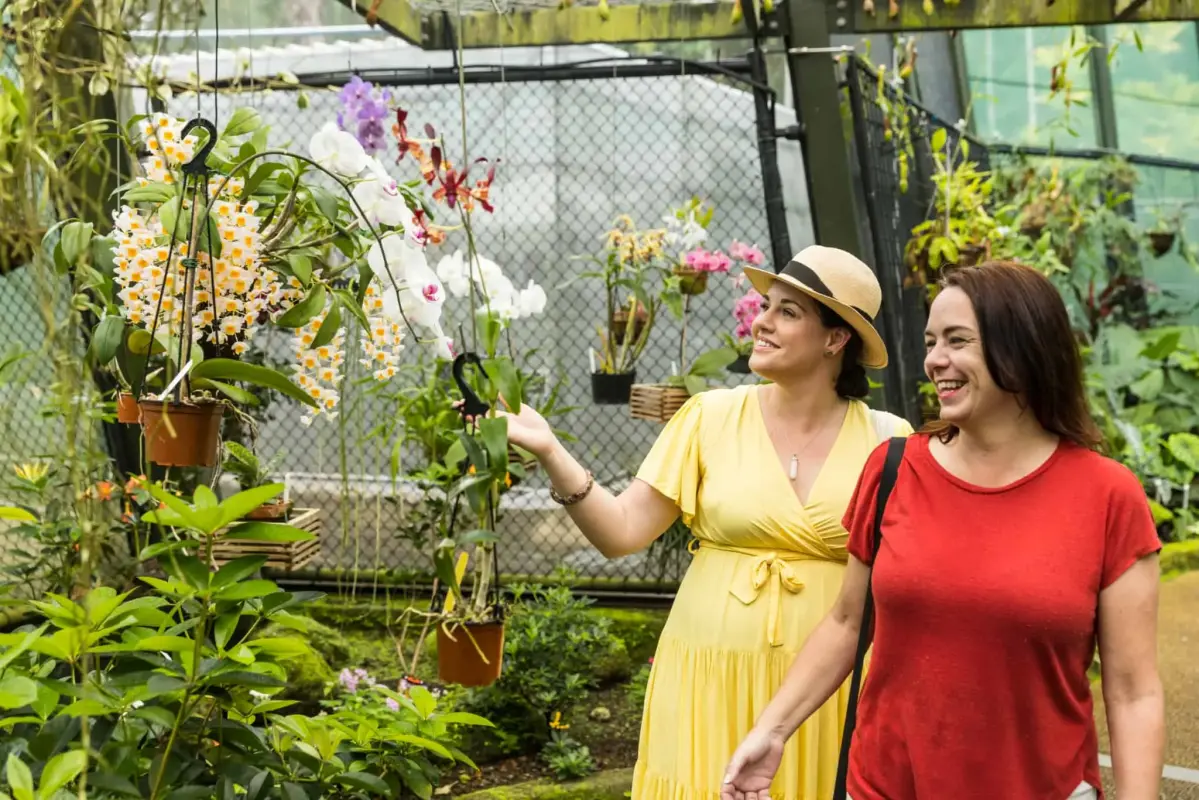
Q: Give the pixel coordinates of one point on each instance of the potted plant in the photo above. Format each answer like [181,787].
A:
[1164,232]
[468,612]
[637,278]
[687,229]
[250,472]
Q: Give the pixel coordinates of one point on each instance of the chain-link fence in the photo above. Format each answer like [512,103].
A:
[574,153]
[892,138]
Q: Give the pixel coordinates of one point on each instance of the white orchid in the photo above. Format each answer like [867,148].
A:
[402,256]
[337,151]
[532,300]
[421,297]
[451,270]
[443,348]
[382,202]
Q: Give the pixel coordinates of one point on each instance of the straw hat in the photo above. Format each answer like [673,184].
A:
[840,281]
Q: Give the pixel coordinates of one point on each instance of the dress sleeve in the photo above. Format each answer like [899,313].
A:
[859,514]
[674,466]
[1131,534]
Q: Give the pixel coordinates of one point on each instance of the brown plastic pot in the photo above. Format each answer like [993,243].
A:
[620,323]
[691,281]
[181,434]
[459,662]
[271,511]
[127,410]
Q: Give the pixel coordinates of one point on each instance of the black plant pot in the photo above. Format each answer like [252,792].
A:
[1161,241]
[740,366]
[612,389]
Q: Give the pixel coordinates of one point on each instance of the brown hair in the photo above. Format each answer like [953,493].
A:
[1028,345]
[851,382]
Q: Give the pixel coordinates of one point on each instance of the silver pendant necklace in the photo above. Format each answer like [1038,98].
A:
[793,466]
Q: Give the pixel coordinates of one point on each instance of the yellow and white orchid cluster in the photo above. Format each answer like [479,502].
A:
[234,293]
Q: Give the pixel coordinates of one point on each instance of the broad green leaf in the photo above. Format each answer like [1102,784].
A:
[306,310]
[1150,385]
[204,498]
[153,193]
[163,684]
[464,718]
[478,536]
[492,329]
[939,137]
[301,267]
[140,343]
[242,677]
[237,569]
[502,373]
[18,514]
[1161,349]
[187,517]
[166,644]
[106,339]
[443,567]
[260,786]
[268,532]
[494,433]
[711,363]
[159,548]
[230,369]
[237,506]
[329,326]
[354,306]
[59,771]
[260,174]
[17,691]
[293,791]
[234,393]
[325,201]
[245,120]
[223,631]
[694,384]
[1185,448]
[190,569]
[372,784]
[247,590]
[115,784]
[20,780]
[426,704]
[168,215]
[420,741]
[280,646]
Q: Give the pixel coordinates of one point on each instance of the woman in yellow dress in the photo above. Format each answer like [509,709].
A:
[762,475]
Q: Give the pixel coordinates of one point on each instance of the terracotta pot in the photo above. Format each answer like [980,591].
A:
[1161,242]
[620,320]
[457,659]
[692,281]
[127,409]
[612,389]
[271,511]
[185,435]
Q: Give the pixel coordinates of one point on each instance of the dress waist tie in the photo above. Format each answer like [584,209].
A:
[770,569]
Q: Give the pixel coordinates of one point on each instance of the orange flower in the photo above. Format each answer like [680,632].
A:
[134,482]
[104,490]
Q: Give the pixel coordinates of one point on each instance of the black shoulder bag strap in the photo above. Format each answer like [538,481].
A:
[865,634]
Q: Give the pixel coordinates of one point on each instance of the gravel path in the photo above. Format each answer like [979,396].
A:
[1178,661]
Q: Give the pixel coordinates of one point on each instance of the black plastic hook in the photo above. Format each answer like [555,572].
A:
[472,406]
[198,164]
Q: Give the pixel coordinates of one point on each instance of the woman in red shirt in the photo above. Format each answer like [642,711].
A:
[1010,548]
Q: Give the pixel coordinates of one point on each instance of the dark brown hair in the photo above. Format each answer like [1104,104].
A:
[851,382]
[1028,345]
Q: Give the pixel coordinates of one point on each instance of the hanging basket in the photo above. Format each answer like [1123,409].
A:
[1161,241]
[612,389]
[182,434]
[691,281]
[128,412]
[470,663]
[279,555]
[656,402]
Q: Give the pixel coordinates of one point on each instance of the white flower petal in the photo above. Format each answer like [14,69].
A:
[337,151]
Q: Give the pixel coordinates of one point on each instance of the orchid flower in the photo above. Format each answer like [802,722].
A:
[337,151]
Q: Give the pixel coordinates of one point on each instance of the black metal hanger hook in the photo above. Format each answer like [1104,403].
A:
[198,164]
[471,406]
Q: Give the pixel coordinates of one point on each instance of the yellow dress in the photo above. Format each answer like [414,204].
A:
[766,570]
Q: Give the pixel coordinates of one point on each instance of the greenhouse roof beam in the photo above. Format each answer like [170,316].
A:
[575,24]
[848,16]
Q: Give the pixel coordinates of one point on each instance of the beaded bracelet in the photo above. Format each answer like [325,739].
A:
[577,496]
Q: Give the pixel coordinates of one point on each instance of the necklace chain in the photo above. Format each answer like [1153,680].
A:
[793,467]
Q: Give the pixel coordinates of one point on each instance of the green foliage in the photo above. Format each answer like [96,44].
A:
[552,644]
[250,471]
[567,759]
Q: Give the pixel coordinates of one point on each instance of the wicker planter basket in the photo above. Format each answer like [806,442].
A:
[280,555]
[656,402]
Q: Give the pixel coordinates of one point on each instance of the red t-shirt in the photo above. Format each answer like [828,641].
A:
[986,621]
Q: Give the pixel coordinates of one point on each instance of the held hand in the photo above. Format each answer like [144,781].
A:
[752,767]
[526,429]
